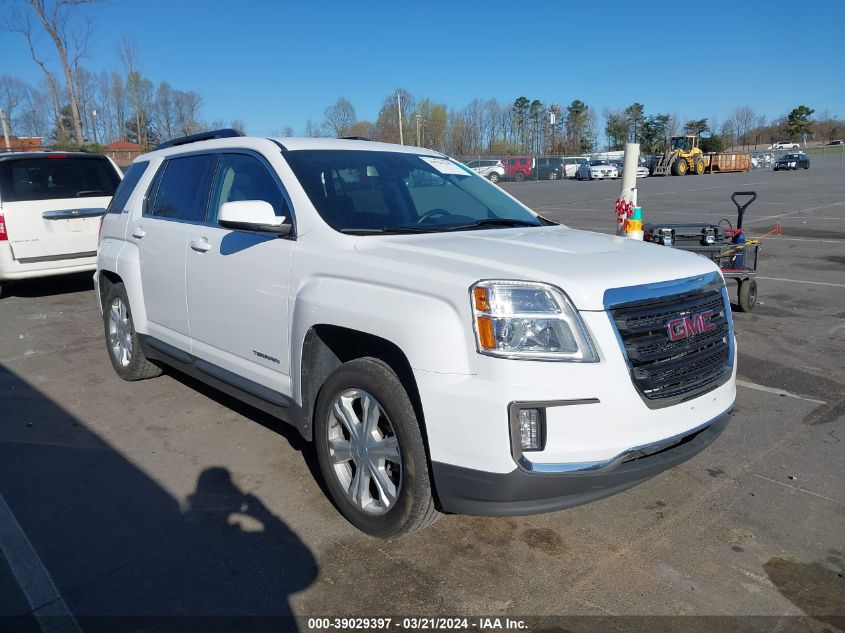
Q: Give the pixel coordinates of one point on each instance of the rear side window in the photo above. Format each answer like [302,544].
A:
[182,188]
[127,186]
[56,176]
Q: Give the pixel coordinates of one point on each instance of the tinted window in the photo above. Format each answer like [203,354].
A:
[523,161]
[243,177]
[56,176]
[366,190]
[183,188]
[127,186]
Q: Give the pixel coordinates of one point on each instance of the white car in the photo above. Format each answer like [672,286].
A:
[444,347]
[493,170]
[642,171]
[596,169]
[784,145]
[50,209]
[572,163]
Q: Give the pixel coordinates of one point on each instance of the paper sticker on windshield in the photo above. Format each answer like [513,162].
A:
[445,166]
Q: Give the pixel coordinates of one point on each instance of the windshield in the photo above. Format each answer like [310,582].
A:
[375,192]
[56,176]
[598,162]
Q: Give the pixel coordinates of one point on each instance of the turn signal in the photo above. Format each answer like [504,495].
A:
[485,333]
[482,303]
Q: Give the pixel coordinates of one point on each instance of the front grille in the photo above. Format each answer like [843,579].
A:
[663,369]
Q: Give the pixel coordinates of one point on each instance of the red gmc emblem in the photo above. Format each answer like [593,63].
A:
[684,327]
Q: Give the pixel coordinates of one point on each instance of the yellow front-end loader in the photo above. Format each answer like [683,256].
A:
[683,157]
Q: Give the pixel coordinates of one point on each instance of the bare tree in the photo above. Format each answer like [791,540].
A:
[187,106]
[312,129]
[55,22]
[164,112]
[339,117]
[20,23]
[742,121]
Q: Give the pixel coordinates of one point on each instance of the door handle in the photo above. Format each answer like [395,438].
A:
[201,245]
[138,232]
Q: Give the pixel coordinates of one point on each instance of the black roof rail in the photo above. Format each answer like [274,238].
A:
[355,138]
[202,136]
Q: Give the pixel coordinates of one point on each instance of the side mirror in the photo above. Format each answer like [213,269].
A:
[252,215]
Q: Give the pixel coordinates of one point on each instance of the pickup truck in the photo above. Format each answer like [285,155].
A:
[444,347]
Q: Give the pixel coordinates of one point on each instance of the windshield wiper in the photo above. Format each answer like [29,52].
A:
[390,230]
[91,192]
[506,222]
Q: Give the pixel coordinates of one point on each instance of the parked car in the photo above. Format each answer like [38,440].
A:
[642,171]
[571,164]
[785,145]
[444,347]
[837,142]
[792,161]
[550,168]
[50,209]
[493,170]
[519,168]
[596,169]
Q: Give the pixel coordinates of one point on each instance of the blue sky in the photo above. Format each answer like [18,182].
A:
[277,64]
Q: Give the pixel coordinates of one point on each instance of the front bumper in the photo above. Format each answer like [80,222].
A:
[520,492]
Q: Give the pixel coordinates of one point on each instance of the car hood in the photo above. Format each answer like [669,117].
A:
[582,263]
[608,167]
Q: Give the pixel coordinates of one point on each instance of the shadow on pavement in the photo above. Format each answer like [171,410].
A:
[121,550]
[46,286]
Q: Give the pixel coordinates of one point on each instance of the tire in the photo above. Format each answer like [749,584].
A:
[577,175]
[122,343]
[397,432]
[747,295]
[553,175]
[493,177]
[519,176]
[699,167]
[683,167]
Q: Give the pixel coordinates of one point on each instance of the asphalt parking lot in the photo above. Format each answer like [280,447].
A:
[166,498]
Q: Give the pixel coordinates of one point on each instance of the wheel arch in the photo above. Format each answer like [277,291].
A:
[106,280]
[326,347]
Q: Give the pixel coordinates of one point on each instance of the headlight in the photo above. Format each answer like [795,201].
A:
[521,319]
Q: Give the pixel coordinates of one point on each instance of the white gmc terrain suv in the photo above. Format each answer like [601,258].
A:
[446,348]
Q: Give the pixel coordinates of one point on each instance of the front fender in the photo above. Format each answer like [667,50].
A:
[431,331]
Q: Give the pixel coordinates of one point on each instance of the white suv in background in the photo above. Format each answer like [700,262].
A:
[445,348]
[50,209]
[492,169]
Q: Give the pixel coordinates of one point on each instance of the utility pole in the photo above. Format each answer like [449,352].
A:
[94,114]
[6,132]
[399,105]
[552,121]
[419,120]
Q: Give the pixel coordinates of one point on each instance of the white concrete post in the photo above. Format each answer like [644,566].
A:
[629,180]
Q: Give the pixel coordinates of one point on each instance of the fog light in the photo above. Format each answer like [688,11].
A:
[531,423]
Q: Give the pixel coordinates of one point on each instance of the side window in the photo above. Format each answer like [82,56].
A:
[244,177]
[127,186]
[182,188]
[512,161]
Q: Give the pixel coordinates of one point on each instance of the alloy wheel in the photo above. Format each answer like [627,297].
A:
[120,332]
[364,451]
